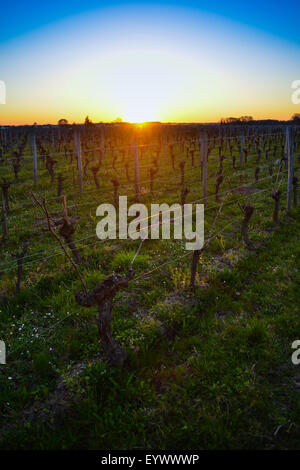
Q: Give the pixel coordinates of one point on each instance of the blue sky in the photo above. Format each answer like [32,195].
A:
[170,61]
[278,18]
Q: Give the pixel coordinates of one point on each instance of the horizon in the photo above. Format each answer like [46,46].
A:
[216,123]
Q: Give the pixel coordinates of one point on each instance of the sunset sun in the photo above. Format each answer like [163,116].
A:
[139,112]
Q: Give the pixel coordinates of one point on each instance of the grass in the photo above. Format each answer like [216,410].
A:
[217,374]
[206,369]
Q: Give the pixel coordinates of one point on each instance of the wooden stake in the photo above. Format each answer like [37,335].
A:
[34,156]
[78,154]
[289,148]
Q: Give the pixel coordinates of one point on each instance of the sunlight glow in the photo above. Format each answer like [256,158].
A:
[147,64]
[142,83]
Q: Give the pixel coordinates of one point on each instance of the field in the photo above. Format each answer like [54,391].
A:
[208,362]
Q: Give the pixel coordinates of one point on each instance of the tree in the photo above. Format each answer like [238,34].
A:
[238,120]
[87,121]
[62,122]
[296,117]
[246,118]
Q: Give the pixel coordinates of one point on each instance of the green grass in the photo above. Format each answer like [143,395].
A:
[213,374]
[206,369]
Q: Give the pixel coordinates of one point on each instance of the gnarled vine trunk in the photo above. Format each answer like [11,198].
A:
[102,296]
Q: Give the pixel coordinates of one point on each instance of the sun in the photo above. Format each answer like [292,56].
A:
[139,111]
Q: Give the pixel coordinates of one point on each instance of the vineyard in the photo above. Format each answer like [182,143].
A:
[117,343]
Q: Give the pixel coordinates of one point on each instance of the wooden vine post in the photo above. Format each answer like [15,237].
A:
[203,159]
[164,143]
[135,151]
[289,152]
[53,140]
[34,156]
[241,150]
[102,138]
[78,155]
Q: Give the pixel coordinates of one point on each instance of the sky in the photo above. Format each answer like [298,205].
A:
[174,61]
